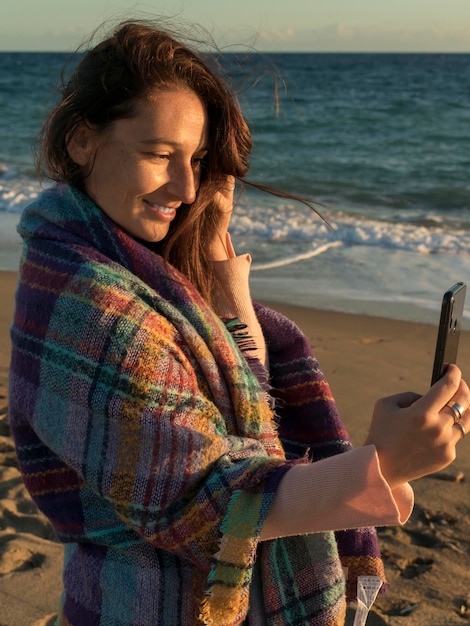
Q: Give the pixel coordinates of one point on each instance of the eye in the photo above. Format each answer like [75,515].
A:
[156,156]
[199,161]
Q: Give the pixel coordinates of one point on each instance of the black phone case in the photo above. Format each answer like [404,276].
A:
[448,334]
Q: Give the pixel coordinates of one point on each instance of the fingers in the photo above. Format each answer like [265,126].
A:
[461,428]
[457,408]
[447,385]
[220,246]
[229,185]
[442,391]
[224,196]
[446,390]
[460,414]
[223,199]
[406,399]
[417,435]
[449,399]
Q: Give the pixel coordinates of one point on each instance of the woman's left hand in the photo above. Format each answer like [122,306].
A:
[220,248]
[417,435]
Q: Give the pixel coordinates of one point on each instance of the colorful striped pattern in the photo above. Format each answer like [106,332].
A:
[145,437]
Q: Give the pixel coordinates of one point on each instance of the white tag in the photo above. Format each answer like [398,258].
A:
[367,589]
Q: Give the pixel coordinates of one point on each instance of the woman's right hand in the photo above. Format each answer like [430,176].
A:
[416,435]
[220,248]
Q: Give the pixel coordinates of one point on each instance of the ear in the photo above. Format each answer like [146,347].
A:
[81,144]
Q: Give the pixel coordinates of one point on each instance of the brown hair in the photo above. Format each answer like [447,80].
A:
[105,86]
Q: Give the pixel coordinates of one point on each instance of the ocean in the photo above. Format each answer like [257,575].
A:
[382,141]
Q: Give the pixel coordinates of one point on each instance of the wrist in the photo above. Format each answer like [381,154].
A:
[222,249]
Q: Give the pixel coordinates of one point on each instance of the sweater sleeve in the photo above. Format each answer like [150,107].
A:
[232,298]
[340,492]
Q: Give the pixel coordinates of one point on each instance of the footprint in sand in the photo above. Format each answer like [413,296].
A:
[18,512]
[14,556]
[7,452]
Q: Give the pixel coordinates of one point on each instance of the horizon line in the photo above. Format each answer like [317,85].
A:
[250,51]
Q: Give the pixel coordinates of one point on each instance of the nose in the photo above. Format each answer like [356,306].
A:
[183,183]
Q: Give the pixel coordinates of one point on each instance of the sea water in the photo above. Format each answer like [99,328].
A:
[381,141]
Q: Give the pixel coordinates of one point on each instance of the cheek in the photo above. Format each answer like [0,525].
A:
[123,178]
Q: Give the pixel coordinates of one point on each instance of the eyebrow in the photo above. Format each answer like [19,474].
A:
[174,144]
[157,140]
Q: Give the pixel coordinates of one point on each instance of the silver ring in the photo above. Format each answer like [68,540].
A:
[231,189]
[457,410]
[461,426]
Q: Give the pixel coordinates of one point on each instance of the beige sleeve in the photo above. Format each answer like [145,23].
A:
[232,298]
[340,492]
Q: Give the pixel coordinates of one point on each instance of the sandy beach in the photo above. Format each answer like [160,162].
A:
[427,561]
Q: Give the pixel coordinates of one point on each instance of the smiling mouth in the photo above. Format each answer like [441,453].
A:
[163,212]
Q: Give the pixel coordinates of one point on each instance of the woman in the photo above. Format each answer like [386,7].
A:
[165,424]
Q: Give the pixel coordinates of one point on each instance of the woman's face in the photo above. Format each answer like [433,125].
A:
[145,167]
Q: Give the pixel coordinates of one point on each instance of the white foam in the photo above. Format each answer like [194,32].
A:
[367,264]
[299,257]
[287,225]
[15,196]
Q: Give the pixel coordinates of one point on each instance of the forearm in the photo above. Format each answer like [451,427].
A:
[344,491]
[232,298]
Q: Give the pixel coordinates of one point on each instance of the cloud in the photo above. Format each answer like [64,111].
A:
[342,36]
[373,37]
[344,31]
[278,34]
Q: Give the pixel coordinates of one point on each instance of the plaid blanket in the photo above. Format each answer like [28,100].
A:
[147,440]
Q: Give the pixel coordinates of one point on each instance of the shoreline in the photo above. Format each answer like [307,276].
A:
[364,358]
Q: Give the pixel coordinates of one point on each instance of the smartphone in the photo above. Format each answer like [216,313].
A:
[448,333]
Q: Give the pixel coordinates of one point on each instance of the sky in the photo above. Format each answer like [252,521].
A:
[265,25]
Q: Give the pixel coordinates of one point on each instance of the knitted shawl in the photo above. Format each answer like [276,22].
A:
[145,437]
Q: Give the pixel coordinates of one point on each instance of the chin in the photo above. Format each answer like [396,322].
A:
[155,238]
